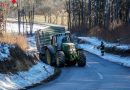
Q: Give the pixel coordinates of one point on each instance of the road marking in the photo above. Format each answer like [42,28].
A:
[100,75]
[88,65]
[66,83]
[85,80]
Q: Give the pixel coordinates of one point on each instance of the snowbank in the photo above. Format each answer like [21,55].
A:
[4,51]
[92,47]
[97,42]
[36,74]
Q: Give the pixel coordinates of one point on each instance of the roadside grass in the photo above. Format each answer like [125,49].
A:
[19,40]
[19,59]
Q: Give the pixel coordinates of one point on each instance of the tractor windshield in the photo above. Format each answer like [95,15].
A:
[66,39]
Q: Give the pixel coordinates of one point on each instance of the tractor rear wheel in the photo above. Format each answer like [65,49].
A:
[48,57]
[82,59]
[60,59]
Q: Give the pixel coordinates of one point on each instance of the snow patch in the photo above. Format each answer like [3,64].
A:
[32,43]
[97,42]
[13,27]
[4,51]
[92,48]
[36,74]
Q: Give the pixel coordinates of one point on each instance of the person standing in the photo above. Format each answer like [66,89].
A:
[102,48]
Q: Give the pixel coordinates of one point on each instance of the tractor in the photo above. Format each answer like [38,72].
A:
[60,51]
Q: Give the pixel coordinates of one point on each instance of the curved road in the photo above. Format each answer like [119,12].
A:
[99,74]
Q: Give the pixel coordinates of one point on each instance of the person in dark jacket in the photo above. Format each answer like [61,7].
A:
[102,48]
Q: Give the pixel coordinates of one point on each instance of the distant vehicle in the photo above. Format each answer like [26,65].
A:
[56,49]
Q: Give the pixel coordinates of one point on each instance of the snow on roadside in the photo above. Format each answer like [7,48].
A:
[36,74]
[92,48]
[4,51]
[32,43]
[97,42]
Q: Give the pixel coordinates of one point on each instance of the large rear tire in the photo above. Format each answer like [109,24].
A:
[82,59]
[48,57]
[60,59]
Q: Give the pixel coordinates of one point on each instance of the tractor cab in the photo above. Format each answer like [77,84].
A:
[59,40]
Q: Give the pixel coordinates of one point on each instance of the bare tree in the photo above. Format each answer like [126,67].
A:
[86,14]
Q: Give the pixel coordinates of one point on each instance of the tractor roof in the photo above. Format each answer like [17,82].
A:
[69,44]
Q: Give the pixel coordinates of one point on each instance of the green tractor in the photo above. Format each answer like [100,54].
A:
[62,52]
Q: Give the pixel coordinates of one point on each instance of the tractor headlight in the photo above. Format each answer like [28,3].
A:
[72,51]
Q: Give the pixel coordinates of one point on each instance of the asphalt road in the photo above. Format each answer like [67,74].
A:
[99,74]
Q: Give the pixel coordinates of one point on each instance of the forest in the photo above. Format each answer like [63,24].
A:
[107,19]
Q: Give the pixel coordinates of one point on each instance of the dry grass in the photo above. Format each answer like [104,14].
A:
[17,39]
[18,60]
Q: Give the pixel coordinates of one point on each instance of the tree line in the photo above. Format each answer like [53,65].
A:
[83,15]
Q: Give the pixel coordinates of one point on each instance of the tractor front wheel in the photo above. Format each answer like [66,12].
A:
[60,59]
[82,59]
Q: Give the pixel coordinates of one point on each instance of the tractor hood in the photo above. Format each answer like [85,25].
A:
[68,47]
[69,44]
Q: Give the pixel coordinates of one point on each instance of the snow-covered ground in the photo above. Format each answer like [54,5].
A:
[4,51]
[32,43]
[97,42]
[34,75]
[13,27]
[91,46]
[37,73]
